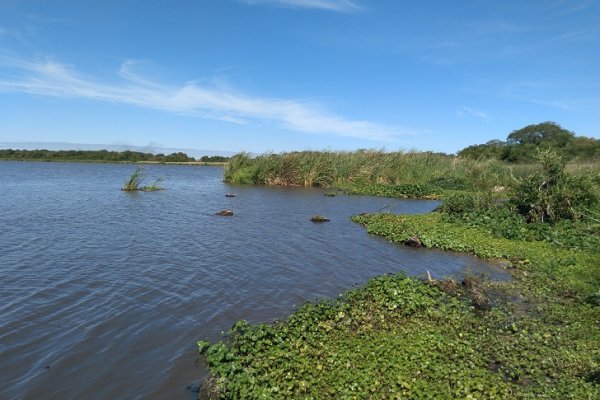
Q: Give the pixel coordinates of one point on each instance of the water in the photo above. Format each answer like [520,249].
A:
[103,293]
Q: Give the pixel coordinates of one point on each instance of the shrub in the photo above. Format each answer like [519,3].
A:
[552,195]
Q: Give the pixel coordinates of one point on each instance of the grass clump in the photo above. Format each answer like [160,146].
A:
[134,182]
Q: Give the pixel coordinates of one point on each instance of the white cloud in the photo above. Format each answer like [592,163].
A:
[330,5]
[49,78]
[473,112]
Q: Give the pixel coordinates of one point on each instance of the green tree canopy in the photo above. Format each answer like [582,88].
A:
[523,145]
[548,134]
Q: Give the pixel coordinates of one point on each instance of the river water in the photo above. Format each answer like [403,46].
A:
[104,293]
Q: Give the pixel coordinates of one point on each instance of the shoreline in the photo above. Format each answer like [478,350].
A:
[536,338]
[194,163]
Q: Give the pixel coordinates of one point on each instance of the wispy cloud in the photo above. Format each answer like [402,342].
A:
[49,78]
[535,92]
[473,112]
[330,5]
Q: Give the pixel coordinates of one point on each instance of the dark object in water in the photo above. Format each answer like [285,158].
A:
[230,195]
[226,212]
[329,194]
[319,218]
[413,242]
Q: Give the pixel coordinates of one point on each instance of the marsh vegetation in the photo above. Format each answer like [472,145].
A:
[535,336]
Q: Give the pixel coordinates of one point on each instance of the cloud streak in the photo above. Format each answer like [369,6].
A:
[49,78]
[329,5]
[473,112]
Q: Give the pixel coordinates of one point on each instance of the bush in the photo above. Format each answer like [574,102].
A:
[459,203]
[552,195]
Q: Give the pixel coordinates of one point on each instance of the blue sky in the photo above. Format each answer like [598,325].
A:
[279,75]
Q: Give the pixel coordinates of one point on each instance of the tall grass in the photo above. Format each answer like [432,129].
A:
[134,182]
[327,168]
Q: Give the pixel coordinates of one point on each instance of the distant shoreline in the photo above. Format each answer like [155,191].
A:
[195,163]
[106,156]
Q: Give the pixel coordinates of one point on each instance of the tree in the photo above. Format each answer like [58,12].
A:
[490,150]
[546,134]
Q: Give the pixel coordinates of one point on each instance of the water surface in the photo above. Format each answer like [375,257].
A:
[103,293]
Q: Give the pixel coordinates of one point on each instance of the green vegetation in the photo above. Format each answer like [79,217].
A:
[372,172]
[523,144]
[535,336]
[134,182]
[91,155]
[428,175]
[214,159]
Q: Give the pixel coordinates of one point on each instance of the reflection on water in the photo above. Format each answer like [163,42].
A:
[104,292]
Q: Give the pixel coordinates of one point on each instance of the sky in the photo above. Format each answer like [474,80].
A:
[285,75]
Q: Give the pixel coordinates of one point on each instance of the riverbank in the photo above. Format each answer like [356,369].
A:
[409,338]
[533,337]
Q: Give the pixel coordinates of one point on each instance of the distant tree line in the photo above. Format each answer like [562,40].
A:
[524,144]
[92,155]
[214,159]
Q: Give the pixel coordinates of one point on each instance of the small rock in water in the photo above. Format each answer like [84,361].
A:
[413,242]
[226,212]
[319,218]
[194,387]
[230,195]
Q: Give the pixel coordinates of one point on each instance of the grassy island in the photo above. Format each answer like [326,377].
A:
[398,337]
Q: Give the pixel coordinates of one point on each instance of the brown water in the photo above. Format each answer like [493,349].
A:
[104,293]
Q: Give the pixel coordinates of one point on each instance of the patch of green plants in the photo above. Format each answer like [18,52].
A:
[553,195]
[134,182]
[403,191]
[397,174]
[551,205]
[400,337]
